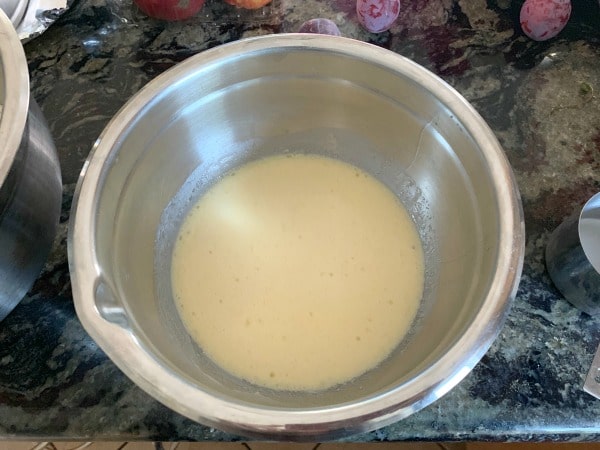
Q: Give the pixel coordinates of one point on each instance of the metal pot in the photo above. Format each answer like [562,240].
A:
[301,93]
[30,181]
[15,9]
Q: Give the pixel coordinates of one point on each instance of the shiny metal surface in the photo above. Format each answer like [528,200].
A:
[592,380]
[297,93]
[589,231]
[32,17]
[571,249]
[589,235]
[30,184]
[14,9]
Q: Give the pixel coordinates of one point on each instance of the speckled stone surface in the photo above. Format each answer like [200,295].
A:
[541,99]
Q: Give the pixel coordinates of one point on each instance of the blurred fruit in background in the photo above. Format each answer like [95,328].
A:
[170,9]
[248,4]
[543,19]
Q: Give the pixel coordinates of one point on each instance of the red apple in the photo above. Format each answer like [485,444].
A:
[170,9]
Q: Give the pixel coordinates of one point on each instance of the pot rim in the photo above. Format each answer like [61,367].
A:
[16,94]
[302,424]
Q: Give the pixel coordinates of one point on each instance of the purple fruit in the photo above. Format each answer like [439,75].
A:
[377,15]
[544,19]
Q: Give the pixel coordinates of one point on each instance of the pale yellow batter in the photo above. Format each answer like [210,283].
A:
[298,272]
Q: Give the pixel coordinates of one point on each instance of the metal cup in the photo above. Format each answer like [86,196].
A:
[572,259]
[569,267]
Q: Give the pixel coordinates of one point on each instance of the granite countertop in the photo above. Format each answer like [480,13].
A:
[542,99]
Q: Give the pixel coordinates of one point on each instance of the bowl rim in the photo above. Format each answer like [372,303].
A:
[323,422]
[16,94]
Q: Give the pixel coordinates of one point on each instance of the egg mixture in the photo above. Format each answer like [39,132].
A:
[298,272]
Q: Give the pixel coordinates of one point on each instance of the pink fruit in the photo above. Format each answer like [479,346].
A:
[320,26]
[544,19]
[377,15]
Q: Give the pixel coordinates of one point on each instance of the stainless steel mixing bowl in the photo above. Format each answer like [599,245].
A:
[30,182]
[295,93]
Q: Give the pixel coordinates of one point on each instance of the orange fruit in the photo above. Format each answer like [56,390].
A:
[248,4]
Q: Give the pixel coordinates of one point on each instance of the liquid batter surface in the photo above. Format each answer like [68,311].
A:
[298,272]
